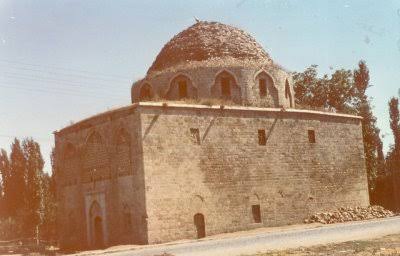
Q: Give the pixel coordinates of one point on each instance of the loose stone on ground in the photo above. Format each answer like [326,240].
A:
[345,214]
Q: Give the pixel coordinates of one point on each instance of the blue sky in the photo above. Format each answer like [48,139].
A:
[62,61]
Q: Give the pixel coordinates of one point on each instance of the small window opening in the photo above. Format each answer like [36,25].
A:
[263,87]
[255,209]
[182,89]
[311,136]
[262,138]
[225,86]
[195,133]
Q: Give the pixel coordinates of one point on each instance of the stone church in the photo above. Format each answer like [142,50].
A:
[212,143]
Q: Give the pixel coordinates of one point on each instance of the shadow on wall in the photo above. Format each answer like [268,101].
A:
[153,121]
[141,213]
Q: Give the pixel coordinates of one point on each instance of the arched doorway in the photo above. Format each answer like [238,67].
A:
[200,225]
[98,232]
[96,226]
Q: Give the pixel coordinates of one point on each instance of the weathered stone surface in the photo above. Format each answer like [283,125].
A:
[229,171]
[208,40]
[204,80]
[204,51]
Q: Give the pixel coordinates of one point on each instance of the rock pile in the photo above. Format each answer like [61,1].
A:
[345,214]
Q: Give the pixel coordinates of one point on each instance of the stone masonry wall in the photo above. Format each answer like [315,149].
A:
[204,79]
[225,171]
[109,168]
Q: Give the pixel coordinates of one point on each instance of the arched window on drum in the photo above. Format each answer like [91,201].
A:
[226,87]
[267,92]
[180,88]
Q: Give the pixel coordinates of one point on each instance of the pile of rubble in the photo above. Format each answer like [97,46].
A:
[344,214]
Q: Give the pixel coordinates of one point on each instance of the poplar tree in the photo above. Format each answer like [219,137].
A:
[5,182]
[48,226]
[372,149]
[16,189]
[33,191]
[393,156]
[395,121]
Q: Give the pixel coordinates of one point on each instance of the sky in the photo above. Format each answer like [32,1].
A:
[62,61]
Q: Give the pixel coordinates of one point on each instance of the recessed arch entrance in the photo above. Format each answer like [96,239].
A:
[96,225]
[98,232]
[199,222]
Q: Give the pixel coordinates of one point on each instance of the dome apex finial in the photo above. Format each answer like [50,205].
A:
[196,19]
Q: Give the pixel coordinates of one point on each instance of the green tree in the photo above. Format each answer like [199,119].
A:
[5,173]
[309,89]
[28,193]
[395,121]
[16,190]
[334,93]
[34,189]
[393,156]
[340,94]
[48,227]
[372,142]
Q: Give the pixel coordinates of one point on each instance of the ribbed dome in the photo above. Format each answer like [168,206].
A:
[208,40]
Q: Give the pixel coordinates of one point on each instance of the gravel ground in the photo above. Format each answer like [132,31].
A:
[388,245]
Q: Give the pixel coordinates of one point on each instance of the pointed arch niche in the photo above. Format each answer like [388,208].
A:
[95,159]
[266,90]
[97,227]
[226,87]
[181,87]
